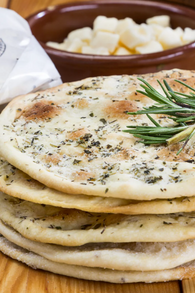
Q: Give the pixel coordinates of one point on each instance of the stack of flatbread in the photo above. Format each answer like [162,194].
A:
[81,198]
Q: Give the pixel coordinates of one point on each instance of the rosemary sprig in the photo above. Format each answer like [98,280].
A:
[178,107]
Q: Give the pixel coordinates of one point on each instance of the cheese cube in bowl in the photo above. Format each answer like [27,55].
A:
[150,47]
[162,20]
[169,38]
[103,23]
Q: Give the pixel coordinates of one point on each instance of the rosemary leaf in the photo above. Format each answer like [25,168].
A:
[186,85]
[166,93]
[178,107]
[153,121]
[181,135]
[155,94]
[157,139]
[158,110]
[190,104]
[184,119]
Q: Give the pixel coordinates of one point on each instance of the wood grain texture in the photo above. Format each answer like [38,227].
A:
[4,3]
[188,286]
[27,7]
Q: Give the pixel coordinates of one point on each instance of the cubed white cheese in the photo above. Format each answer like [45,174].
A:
[151,47]
[83,34]
[103,23]
[96,51]
[163,20]
[59,46]
[67,43]
[106,40]
[124,24]
[53,45]
[75,46]
[156,29]
[188,36]
[146,30]
[123,37]
[169,38]
[122,51]
[139,35]
[179,31]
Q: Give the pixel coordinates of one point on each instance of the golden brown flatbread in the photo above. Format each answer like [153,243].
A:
[71,138]
[72,227]
[18,184]
[137,256]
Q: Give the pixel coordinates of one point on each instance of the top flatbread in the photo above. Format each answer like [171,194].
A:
[70,138]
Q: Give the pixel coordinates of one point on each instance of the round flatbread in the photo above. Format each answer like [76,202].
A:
[71,139]
[138,256]
[72,227]
[18,184]
[95,274]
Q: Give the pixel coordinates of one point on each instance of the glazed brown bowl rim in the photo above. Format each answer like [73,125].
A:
[149,58]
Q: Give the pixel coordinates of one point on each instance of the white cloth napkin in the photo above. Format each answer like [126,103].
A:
[24,65]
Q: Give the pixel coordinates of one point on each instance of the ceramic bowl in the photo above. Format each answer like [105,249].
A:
[54,23]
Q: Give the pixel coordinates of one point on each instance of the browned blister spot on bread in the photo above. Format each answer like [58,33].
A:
[170,153]
[176,86]
[74,135]
[40,110]
[81,103]
[119,109]
[52,159]
[138,97]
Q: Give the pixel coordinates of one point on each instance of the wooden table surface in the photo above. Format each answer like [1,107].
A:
[18,278]
[27,7]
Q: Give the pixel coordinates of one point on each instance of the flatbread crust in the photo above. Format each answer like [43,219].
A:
[18,184]
[137,256]
[71,227]
[96,274]
[70,138]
